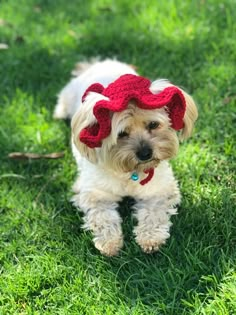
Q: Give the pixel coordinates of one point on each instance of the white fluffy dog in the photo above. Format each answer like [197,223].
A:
[124,151]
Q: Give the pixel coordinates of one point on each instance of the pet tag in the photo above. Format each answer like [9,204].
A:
[134,176]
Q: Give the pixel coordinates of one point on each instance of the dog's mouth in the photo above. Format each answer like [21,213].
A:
[144,165]
[146,162]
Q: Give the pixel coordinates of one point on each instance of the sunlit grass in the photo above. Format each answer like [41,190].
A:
[48,264]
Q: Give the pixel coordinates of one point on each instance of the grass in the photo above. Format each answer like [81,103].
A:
[48,264]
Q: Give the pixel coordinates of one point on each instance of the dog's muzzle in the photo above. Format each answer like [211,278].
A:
[144,152]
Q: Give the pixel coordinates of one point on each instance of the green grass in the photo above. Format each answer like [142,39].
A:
[48,264]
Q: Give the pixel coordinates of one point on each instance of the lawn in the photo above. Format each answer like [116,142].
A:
[48,264]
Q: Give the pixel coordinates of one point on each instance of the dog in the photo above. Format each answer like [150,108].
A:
[125,129]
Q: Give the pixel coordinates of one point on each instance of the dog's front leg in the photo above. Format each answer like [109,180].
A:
[154,223]
[102,218]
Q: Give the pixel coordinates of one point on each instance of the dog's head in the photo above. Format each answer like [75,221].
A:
[139,138]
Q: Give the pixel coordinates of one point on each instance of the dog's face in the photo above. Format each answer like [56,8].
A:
[139,138]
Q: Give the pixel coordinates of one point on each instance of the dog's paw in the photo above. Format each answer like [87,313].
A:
[108,247]
[150,241]
[149,246]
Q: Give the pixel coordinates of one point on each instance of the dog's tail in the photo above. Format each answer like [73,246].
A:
[66,105]
[81,67]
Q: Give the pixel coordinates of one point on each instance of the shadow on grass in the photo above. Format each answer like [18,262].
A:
[43,74]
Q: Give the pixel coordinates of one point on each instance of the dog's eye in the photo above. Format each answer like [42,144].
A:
[123,134]
[153,125]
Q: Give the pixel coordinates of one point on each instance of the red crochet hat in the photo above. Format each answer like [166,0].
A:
[120,92]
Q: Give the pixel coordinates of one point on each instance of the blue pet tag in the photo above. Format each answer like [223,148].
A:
[134,176]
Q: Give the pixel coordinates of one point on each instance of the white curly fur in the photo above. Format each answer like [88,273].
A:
[104,173]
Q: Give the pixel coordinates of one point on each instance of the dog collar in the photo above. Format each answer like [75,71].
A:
[149,172]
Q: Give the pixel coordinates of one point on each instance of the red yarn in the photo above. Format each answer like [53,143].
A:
[150,173]
[120,92]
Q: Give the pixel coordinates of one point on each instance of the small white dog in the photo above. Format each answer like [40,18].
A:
[124,131]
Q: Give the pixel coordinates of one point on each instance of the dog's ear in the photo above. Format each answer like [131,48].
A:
[82,119]
[190,116]
[77,123]
[191,112]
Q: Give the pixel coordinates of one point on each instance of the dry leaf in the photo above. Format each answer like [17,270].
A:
[12,175]
[5,23]
[35,156]
[2,22]
[3,46]
[228,99]
[72,33]
[37,9]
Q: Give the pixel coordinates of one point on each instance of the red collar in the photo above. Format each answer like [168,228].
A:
[149,172]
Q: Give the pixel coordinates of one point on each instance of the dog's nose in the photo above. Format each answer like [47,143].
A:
[144,153]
